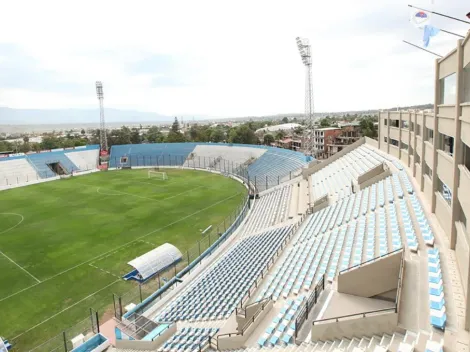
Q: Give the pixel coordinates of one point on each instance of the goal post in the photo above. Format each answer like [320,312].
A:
[158,175]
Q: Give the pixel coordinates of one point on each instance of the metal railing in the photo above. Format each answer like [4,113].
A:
[248,323]
[394,309]
[305,308]
[363,315]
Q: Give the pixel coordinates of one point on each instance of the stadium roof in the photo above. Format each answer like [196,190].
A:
[156,260]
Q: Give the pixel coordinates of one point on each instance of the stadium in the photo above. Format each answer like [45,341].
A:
[205,246]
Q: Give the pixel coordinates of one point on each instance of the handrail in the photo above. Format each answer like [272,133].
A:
[370,260]
[337,319]
[397,298]
[248,323]
[252,304]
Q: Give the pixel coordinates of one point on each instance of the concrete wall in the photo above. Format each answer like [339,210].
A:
[443,213]
[373,324]
[371,142]
[369,280]
[375,179]
[251,310]
[427,189]
[371,173]
[146,345]
[462,254]
[394,151]
[237,341]
[445,165]
[310,170]
[405,157]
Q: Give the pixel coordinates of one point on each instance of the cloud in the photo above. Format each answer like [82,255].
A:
[217,58]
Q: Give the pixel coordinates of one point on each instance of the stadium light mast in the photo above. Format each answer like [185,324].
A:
[103,139]
[305,54]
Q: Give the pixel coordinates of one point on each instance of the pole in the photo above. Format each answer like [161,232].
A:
[65,341]
[140,293]
[440,14]
[416,46]
[97,322]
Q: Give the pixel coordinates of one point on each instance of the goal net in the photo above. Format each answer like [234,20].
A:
[158,175]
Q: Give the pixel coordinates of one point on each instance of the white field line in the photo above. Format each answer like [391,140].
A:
[141,197]
[11,260]
[123,245]
[65,309]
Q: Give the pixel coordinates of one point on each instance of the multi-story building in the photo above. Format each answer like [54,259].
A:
[436,147]
[331,140]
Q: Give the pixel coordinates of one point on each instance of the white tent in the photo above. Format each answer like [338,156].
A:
[156,260]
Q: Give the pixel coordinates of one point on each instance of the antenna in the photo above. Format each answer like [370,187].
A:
[103,139]
[304,50]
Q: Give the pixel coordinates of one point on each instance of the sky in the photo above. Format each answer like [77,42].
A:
[218,58]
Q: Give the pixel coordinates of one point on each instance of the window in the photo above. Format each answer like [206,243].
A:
[430,135]
[418,130]
[404,146]
[404,124]
[446,144]
[448,87]
[385,140]
[410,150]
[385,121]
[412,126]
[417,159]
[444,191]
[394,142]
[466,156]
[395,123]
[466,84]
[427,170]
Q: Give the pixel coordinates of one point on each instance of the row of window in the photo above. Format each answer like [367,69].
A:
[448,87]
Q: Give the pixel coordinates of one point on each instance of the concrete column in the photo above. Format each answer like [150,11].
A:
[409,141]
[457,144]
[399,135]
[415,122]
[434,144]
[379,135]
[388,132]
[423,153]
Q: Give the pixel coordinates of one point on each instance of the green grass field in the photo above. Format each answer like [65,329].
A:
[65,244]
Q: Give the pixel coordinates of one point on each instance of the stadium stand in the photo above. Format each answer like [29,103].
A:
[270,209]
[216,294]
[267,166]
[189,339]
[337,178]
[84,160]
[41,161]
[16,171]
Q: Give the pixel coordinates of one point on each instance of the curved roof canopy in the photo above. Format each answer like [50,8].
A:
[156,260]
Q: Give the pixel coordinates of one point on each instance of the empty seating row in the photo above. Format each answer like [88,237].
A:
[270,209]
[282,329]
[437,308]
[410,234]
[338,177]
[221,288]
[406,181]
[14,171]
[423,223]
[188,339]
[397,186]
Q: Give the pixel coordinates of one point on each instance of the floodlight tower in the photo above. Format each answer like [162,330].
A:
[103,139]
[305,55]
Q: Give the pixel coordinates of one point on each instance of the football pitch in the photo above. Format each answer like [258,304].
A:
[64,245]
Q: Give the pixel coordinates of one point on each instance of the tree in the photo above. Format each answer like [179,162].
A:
[326,122]
[175,135]
[367,127]
[298,130]
[154,135]
[217,135]
[268,139]
[83,132]
[26,139]
[135,136]
[285,120]
[243,135]
[50,142]
[280,134]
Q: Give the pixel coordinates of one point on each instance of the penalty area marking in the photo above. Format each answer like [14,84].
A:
[7,257]
[123,245]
